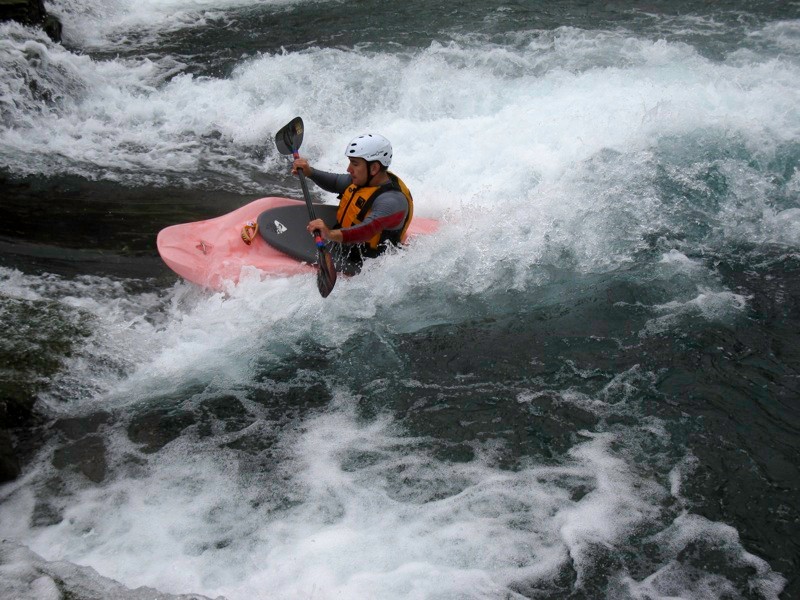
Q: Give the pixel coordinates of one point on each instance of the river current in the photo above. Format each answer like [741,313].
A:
[586,384]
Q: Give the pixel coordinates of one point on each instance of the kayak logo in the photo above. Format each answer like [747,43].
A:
[279,227]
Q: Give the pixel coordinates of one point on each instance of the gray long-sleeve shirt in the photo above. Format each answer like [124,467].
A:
[388,211]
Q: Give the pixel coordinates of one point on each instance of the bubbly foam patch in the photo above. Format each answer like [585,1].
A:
[99,24]
[370,513]
[532,121]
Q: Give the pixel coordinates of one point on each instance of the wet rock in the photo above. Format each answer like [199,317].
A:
[75,428]
[23,11]
[52,27]
[40,334]
[223,415]
[31,12]
[9,465]
[156,429]
[48,509]
[87,456]
[16,414]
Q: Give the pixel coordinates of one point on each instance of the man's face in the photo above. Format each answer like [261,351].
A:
[358,171]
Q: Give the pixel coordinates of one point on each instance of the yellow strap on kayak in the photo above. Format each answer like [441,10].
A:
[249,232]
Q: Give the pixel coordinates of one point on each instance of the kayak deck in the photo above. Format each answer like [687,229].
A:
[211,252]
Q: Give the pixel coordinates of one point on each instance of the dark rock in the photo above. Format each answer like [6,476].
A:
[15,413]
[31,12]
[27,12]
[9,465]
[49,509]
[86,453]
[156,429]
[52,27]
[75,428]
[19,425]
[87,456]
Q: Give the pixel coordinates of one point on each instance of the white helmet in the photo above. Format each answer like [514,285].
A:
[370,147]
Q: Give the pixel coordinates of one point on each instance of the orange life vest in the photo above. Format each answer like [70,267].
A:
[355,204]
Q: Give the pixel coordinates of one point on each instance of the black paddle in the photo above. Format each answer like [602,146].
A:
[288,141]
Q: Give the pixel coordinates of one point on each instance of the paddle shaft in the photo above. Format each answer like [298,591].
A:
[317,235]
[288,141]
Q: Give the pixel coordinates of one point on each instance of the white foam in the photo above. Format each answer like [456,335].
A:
[783,34]
[680,261]
[786,226]
[344,508]
[525,125]
[669,581]
[707,304]
[366,526]
[104,24]
[379,516]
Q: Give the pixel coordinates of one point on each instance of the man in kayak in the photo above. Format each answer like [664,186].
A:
[375,206]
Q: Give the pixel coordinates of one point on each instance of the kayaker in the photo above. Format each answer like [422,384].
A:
[375,206]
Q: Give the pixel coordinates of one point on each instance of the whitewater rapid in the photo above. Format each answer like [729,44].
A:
[554,159]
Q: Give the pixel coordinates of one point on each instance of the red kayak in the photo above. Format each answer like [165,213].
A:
[214,251]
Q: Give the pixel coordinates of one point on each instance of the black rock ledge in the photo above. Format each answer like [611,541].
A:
[31,12]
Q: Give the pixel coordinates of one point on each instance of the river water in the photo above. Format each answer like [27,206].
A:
[585,385]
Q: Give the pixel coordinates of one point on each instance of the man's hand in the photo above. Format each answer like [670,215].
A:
[301,164]
[334,235]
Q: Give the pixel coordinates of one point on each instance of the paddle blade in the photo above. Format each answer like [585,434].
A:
[289,138]
[326,276]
